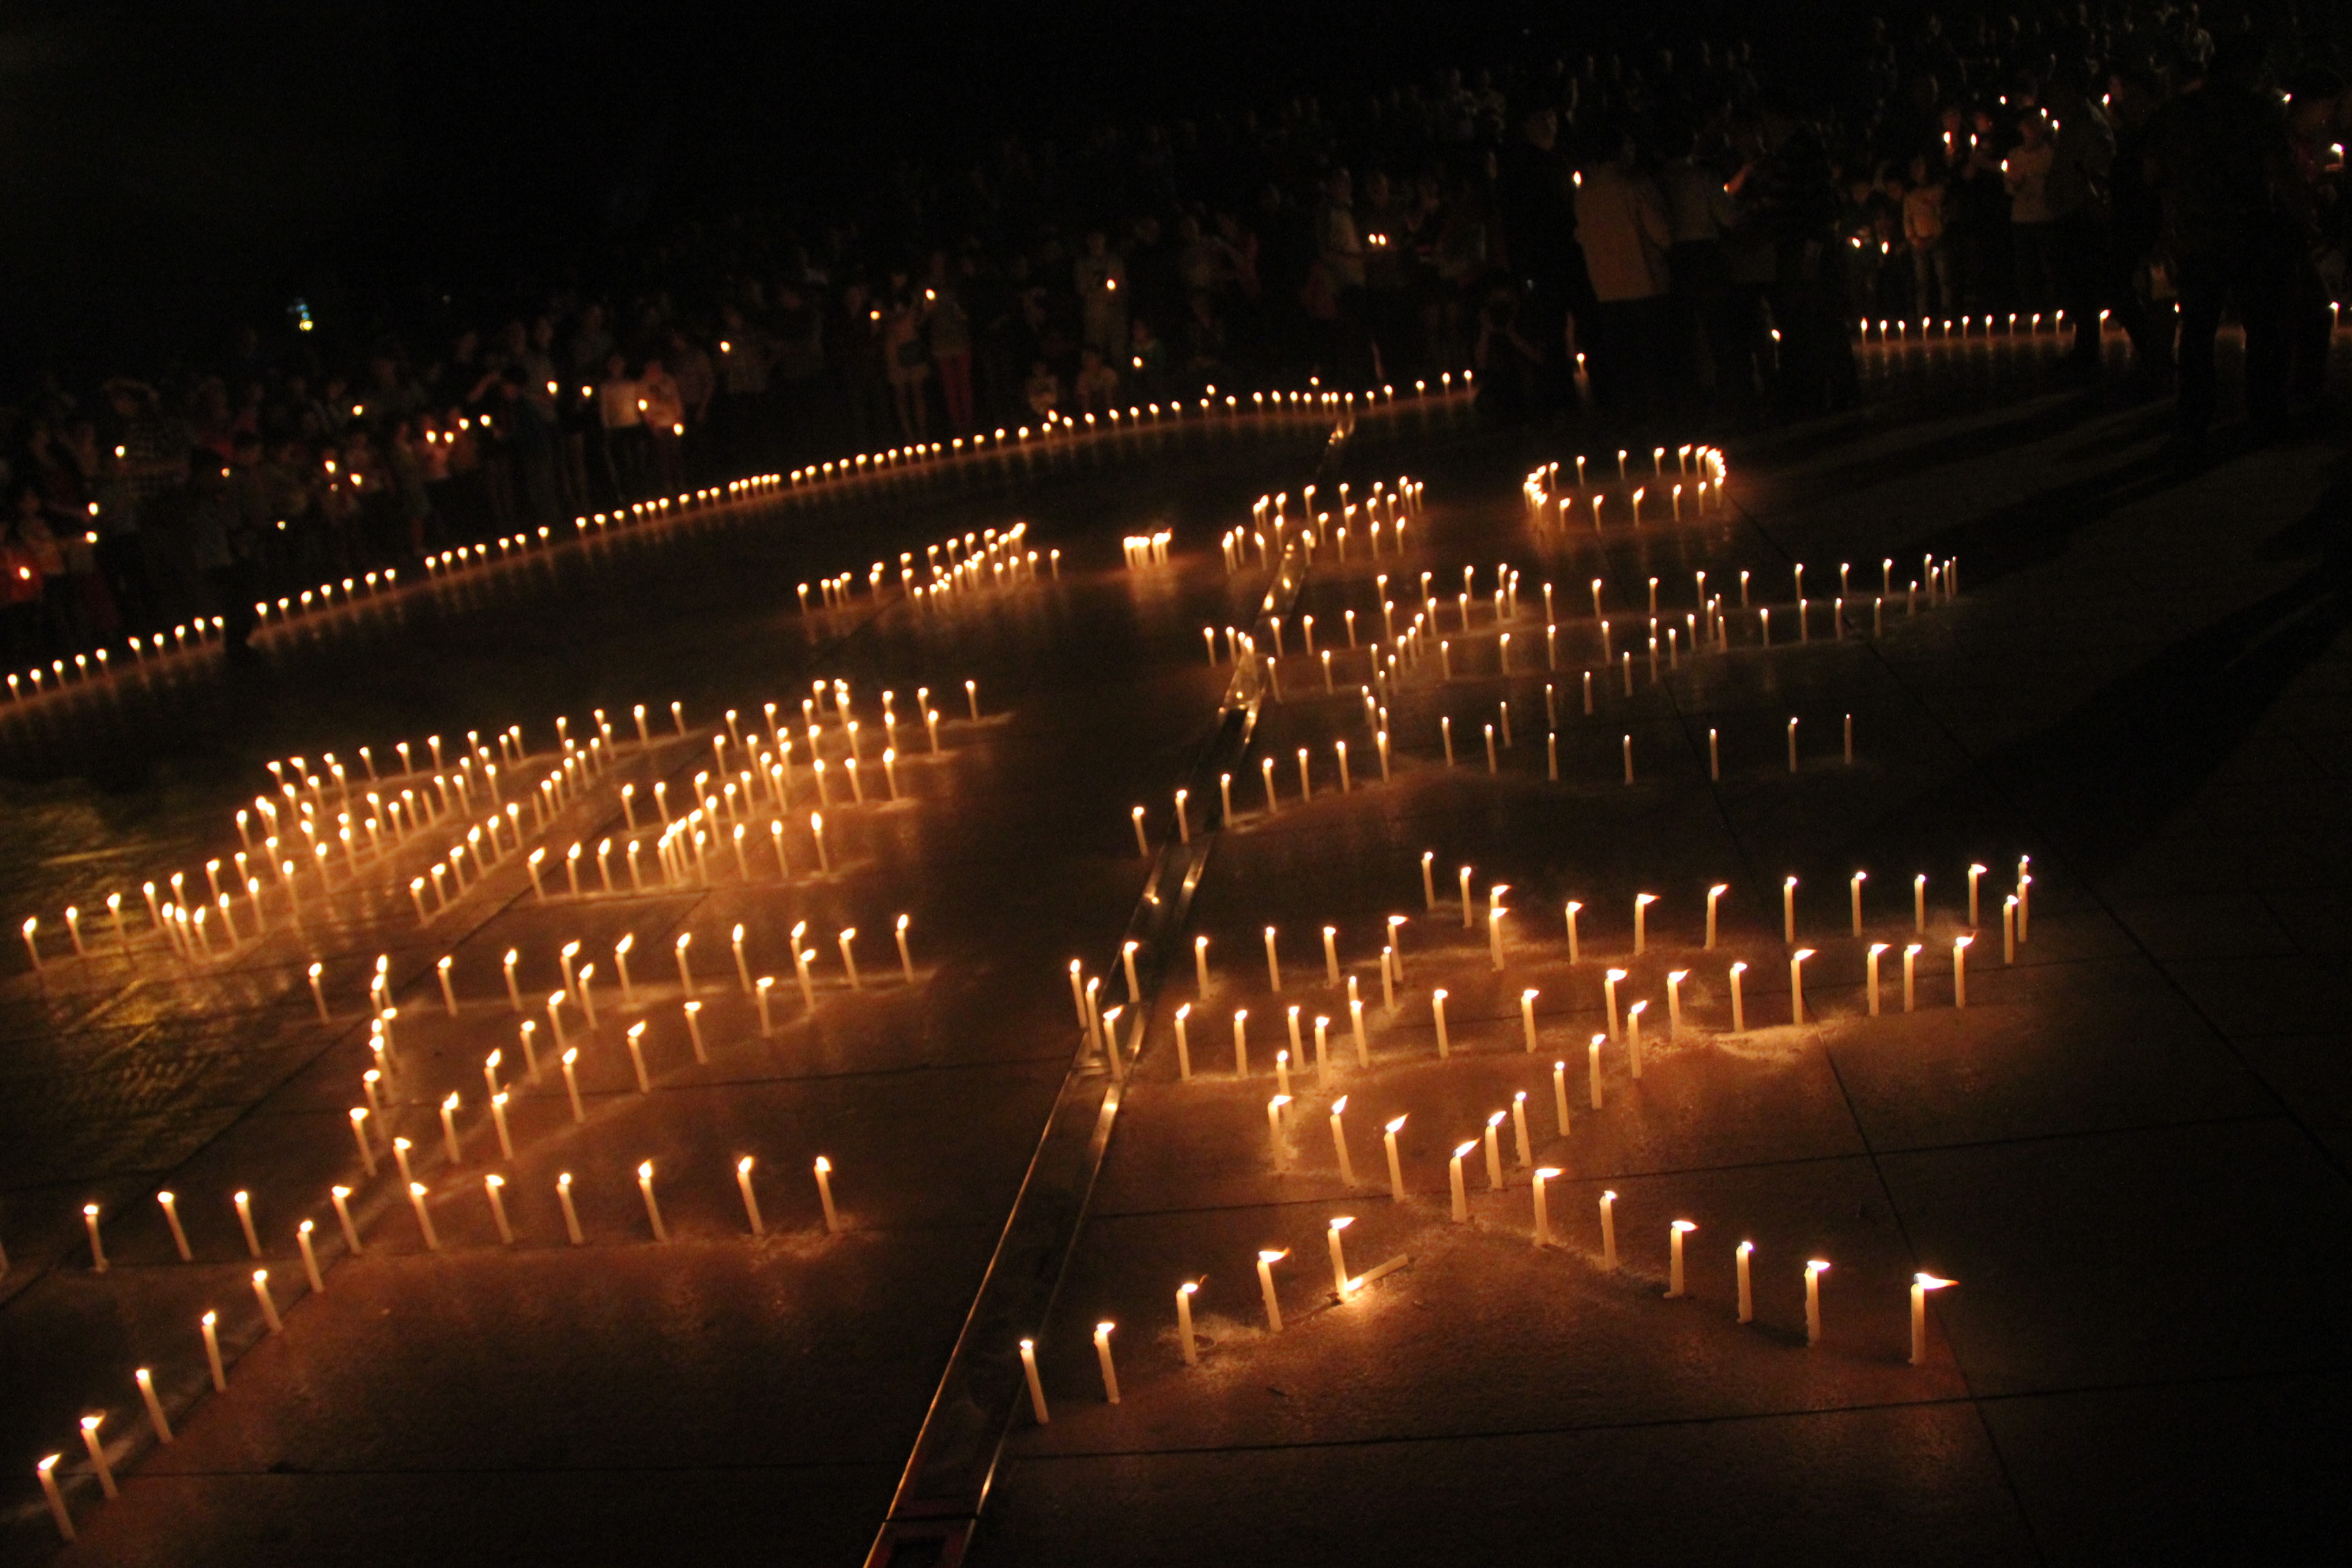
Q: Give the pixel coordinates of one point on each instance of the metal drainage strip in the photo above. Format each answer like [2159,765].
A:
[948,1476]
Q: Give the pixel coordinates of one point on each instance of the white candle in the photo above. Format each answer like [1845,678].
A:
[494,1188]
[1738,1007]
[98,1264]
[848,958]
[1642,903]
[1633,1037]
[172,1218]
[47,1469]
[1184,1337]
[1527,1018]
[1559,1095]
[1813,1272]
[653,1205]
[1543,1213]
[1241,1042]
[1974,873]
[1609,994]
[1674,1234]
[449,1128]
[210,1323]
[1876,949]
[1102,1354]
[448,992]
[1396,1168]
[1494,1154]
[825,1193]
[1609,1231]
[1674,978]
[1743,1257]
[1592,1072]
[1960,970]
[244,1203]
[1921,1284]
[145,1378]
[1797,983]
[1201,965]
[90,1425]
[1788,910]
[1713,895]
[1339,1254]
[341,1197]
[1919,902]
[1037,1388]
[1437,1011]
[571,1084]
[693,1011]
[1274,1129]
[1519,1130]
[571,1214]
[1853,893]
[1273,963]
[318,992]
[1911,976]
[1454,1175]
[423,1215]
[1267,1259]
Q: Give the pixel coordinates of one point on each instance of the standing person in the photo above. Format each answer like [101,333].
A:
[2219,157]
[2025,174]
[663,408]
[950,328]
[1622,227]
[1099,274]
[743,391]
[1699,209]
[907,361]
[149,463]
[2082,155]
[620,413]
[1538,216]
[2139,279]
[1924,231]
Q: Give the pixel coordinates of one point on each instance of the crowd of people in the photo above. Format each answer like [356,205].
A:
[1630,238]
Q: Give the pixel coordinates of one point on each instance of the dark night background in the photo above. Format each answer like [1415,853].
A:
[170,169]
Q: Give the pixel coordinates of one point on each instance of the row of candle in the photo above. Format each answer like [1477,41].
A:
[274,1315]
[1270,524]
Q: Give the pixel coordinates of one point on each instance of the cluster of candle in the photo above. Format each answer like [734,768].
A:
[1700,468]
[991,558]
[1271,529]
[1899,329]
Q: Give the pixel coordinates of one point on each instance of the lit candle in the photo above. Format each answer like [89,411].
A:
[1920,1285]
[172,1218]
[1911,976]
[1853,892]
[1674,1234]
[1339,1254]
[423,1215]
[571,1214]
[1519,1131]
[1273,1129]
[1674,978]
[145,1378]
[1559,1095]
[47,1469]
[825,1193]
[1738,1007]
[341,1198]
[90,1425]
[1642,903]
[1184,1337]
[1633,1037]
[1797,983]
[98,1264]
[1437,1011]
[653,1204]
[244,1203]
[1102,1354]
[1609,1231]
[1712,895]
[637,1056]
[1454,1175]
[1527,1018]
[1036,1387]
[1876,949]
[1273,963]
[318,992]
[1494,1154]
[1241,1042]
[1396,1167]
[1267,1259]
[210,1323]
[1742,1256]
[693,1011]
[1974,873]
[1960,970]
[1201,965]
[1813,1272]
[1609,993]
[571,1084]
[1788,910]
